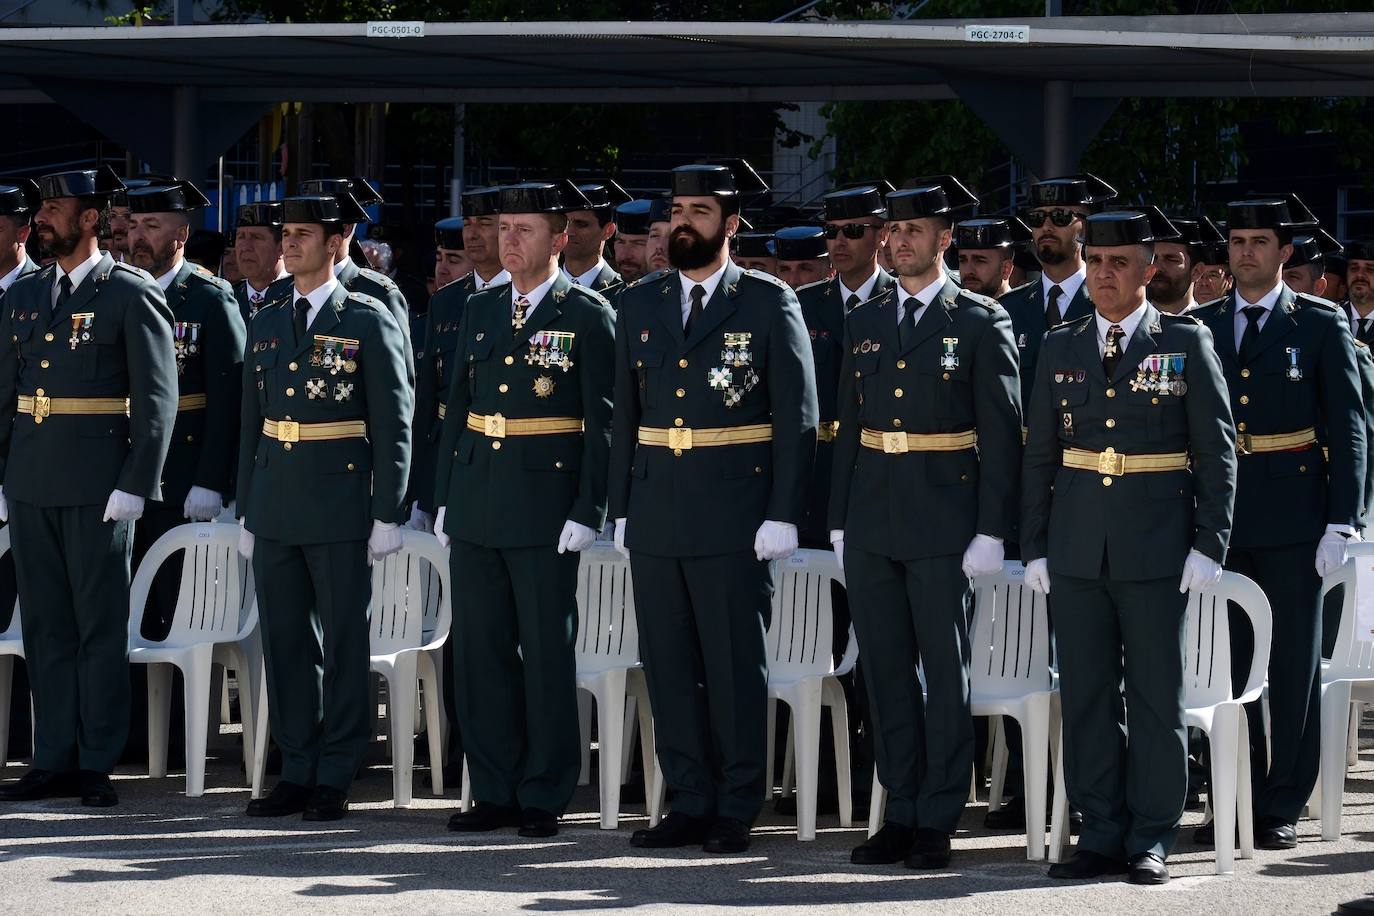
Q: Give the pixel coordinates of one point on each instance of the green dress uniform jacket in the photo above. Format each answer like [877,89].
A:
[26,267]
[1026,305]
[608,283]
[433,378]
[823,310]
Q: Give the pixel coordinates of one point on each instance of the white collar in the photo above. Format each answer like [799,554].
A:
[1069,285]
[924,297]
[709,285]
[478,283]
[13,275]
[1127,324]
[588,278]
[317,296]
[166,279]
[78,274]
[1266,302]
[534,296]
[339,266]
[865,290]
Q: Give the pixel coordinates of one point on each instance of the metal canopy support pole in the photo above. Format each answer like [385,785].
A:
[1057,158]
[455,187]
[185,157]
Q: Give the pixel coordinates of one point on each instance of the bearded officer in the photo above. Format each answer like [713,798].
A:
[631,235]
[1129,478]
[928,371]
[713,437]
[987,253]
[324,452]
[87,403]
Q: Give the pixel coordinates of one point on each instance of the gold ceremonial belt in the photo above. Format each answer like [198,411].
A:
[443,410]
[289,431]
[901,443]
[1115,464]
[1246,444]
[681,439]
[827,431]
[499,427]
[191,402]
[41,406]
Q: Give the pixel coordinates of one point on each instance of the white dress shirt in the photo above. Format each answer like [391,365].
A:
[1127,325]
[588,278]
[479,284]
[10,277]
[317,298]
[709,284]
[166,279]
[1069,285]
[256,296]
[865,290]
[78,275]
[534,296]
[1357,322]
[923,299]
[1266,302]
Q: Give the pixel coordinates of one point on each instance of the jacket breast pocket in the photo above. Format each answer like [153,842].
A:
[265,368]
[648,367]
[101,356]
[866,374]
[479,352]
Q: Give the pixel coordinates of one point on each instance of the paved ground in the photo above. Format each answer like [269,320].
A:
[161,852]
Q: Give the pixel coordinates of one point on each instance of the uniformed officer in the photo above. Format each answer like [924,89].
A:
[1336,267]
[1212,275]
[1359,279]
[987,250]
[802,255]
[754,251]
[521,489]
[1305,271]
[450,260]
[589,231]
[324,450]
[87,403]
[1057,210]
[1172,288]
[660,226]
[257,246]
[713,437]
[1293,380]
[116,240]
[1128,482]
[631,235]
[481,239]
[929,371]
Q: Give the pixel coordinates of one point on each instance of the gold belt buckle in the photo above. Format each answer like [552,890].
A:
[679,438]
[895,443]
[42,407]
[1244,443]
[288,431]
[495,426]
[1111,462]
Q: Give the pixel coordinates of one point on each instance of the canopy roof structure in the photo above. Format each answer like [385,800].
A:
[1046,92]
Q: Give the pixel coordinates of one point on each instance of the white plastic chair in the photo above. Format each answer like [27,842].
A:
[608,669]
[208,614]
[1209,705]
[1347,681]
[244,657]
[11,647]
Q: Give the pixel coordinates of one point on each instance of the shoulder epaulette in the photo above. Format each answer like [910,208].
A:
[767,278]
[377,277]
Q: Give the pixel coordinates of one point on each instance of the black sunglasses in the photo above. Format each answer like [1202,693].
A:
[1061,218]
[850,230]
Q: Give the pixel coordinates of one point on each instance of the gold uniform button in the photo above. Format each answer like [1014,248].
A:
[681,393]
[856,374]
[258,368]
[1064,403]
[286,445]
[1245,399]
[1302,469]
[350,465]
[291,366]
[896,392]
[290,392]
[946,376]
[677,421]
[901,364]
[1245,373]
[682,364]
[510,360]
[503,388]
[639,364]
[496,446]
[896,421]
[677,453]
[1154,400]
[758,469]
[47,337]
[1106,481]
[1111,392]
[44,364]
[1111,424]
[190,438]
[1241,426]
[963,477]
[38,393]
[558,464]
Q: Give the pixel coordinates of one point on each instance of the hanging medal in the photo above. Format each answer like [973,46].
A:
[195,338]
[350,356]
[1294,371]
[1162,384]
[1178,387]
[949,359]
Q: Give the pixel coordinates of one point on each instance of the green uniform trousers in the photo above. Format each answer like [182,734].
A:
[73,578]
[515,673]
[1289,579]
[312,604]
[907,611]
[702,622]
[1109,632]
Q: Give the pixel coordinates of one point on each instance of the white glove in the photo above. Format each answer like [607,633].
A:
[245,541]
[575,537]
[444,539]
[620,538]
[1331,552]
[775,540]
[1200,573]
[1038,576]
[984,556]
[123,507]
[837,542]
[4,507]
[202,505]
[384,541]
[420,520]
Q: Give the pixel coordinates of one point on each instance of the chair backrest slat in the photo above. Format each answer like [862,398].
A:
[1010,636]
[607,634]
[800,636]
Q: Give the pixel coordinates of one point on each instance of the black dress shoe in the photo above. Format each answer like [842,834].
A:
[929,849]
[674,831]
[1147,868]
[485,816]
[886,847]
[1086,864]
[1011,816]
[37,784]
[286,798]
[96,790]
[727,836]
[1275,833]
[536,822]
[1356,907]
[326,804]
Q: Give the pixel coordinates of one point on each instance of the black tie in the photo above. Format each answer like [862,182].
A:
[906,328]
[1363,333]
[1253,314]
[302,309]
[1053,317]
[1111,353]
[852,301]
[698,293]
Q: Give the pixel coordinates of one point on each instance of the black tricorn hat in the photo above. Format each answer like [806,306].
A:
[857,200]
[176,197]
[481,202]
[935,195]
[1085,190]
[1279,211]
[324,209]
[448,233]
[800,243]
[99,182]
[986,233]
[754,244]
[632,217]
[266,213]
[1128,227]
[360,188]
[20,197]
[604,194]
[1359,250]
[1198,233]
[141,180]
[660,210]
[726,178]
[543,197]
[1161,226]
[1313,249]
